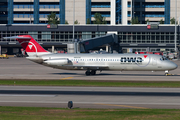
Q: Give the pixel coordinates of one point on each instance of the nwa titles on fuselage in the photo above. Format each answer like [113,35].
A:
[93,62]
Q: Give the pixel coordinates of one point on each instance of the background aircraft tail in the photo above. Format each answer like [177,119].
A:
[31,47]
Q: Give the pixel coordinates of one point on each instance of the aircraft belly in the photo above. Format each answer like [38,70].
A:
[121,67]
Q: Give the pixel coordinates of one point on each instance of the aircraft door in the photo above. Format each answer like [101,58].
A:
[154,61]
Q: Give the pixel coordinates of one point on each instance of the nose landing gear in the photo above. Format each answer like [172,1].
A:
[167,73]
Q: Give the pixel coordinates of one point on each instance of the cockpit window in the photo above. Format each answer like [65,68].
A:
[163,58]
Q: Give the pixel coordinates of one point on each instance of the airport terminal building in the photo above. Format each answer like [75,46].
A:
[115,11]
[18,17]
[138,38]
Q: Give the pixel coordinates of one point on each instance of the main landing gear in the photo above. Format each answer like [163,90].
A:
[167,73]
[92,72]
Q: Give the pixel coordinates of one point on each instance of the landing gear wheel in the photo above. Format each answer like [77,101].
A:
[166,73]
[93,72]
[87,73]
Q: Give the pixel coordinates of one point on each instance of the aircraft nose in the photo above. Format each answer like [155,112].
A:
[174,65]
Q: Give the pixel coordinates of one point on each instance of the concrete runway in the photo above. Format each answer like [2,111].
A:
[84,97]
[21,68]
[90,97]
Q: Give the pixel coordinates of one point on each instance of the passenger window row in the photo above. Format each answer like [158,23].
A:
[122,59]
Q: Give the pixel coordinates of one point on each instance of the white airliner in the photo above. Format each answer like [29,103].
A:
[93,62]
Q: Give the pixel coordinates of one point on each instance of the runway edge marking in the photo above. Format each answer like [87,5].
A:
[66,78]
[126,106]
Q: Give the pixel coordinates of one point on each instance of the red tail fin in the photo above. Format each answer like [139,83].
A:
[30,45]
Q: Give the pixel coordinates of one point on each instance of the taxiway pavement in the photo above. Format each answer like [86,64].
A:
[21,68]
[85,97]
[90,97]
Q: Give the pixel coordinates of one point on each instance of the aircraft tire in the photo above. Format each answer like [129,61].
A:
[87,73]
[93,72]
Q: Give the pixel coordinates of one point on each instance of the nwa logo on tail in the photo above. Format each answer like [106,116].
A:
[30,45]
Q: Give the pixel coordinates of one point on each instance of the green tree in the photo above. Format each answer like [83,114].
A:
[88,21]
[53,19]
[173,20]
[76,22]
[161,21]
[135,20]
[104,21]
[99,19]
[66,22]
[147,21]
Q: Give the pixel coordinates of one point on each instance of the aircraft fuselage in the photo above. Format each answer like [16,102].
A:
[121,62]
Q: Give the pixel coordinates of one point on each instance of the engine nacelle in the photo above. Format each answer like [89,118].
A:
[57,62]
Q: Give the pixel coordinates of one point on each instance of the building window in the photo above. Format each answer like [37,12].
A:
[34,35]
[129,4]
[46,35]
[86,35]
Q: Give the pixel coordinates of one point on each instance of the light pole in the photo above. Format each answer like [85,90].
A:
[175,49]
[73,27]
[30,13]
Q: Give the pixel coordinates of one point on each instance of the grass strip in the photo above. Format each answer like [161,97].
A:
[100,83]
[36,113]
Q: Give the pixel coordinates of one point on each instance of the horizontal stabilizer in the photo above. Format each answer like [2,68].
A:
[16,37]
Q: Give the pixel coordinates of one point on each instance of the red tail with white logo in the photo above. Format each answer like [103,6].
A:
[31,47]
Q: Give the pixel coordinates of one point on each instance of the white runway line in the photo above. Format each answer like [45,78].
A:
[113,103]
[13,95]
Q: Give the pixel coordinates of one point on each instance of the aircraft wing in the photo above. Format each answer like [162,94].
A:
[95,67]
